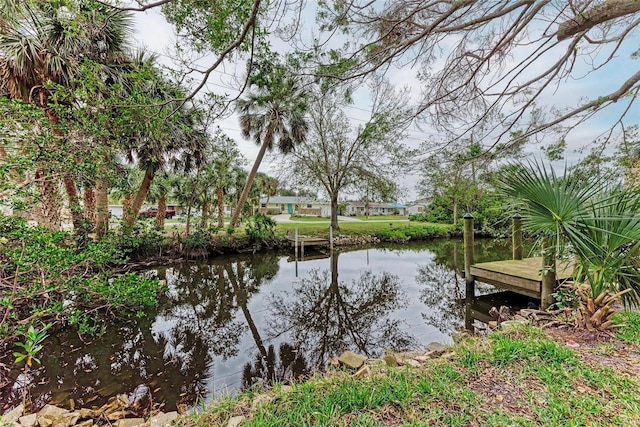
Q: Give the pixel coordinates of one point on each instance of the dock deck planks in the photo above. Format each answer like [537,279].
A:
[522,276]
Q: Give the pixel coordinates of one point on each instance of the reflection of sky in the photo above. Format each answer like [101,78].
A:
[179,350]
[227,374]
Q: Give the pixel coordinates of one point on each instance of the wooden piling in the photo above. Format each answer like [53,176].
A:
[517,236]
[295,243]
[548,274]
[468,254]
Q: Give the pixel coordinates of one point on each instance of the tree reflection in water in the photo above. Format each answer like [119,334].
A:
[190,345]
[322,316]
[290,365]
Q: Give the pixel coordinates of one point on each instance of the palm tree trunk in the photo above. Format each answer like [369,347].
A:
[102,207]
[74,202]
[127,209]
[266,205]
[141,195]
[220,206]
[162,212]
[205,214]
[67,179]
[89,203]
[49,209]
[247,185]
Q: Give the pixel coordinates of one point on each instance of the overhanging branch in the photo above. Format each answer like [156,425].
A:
[610,9]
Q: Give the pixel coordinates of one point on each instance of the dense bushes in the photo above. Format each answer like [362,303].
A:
[490,213]
[48,276]
[416,232]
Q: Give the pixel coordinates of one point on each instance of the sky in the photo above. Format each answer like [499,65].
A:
[156,35]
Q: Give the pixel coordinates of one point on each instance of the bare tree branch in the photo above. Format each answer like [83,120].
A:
[611,9]
[135,9]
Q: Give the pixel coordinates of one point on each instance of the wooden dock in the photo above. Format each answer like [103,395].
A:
[536,277]
[299,242]
[523,276]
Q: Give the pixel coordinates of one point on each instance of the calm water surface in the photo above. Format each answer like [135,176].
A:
[233,321]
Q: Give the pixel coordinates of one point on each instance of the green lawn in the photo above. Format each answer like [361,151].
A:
[519,377]
[382,217]
[393,230]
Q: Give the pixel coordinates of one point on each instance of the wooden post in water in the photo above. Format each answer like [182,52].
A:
[295,243]
[548,274]
[468,254]
[517,236]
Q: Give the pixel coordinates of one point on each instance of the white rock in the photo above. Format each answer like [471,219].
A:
[29,420]
[236,421]
[13,415]
[162,420]
[130,422]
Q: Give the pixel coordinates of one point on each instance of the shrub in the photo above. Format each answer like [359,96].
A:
[142,240]
[58,279]
[260,228]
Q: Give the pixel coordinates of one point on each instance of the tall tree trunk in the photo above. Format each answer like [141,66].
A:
[266,205]
[127,209]
[74,202]
[67,179]
[247,185]
[141,195]
[204,220]
[162,212]
[89,203]
[455,211]
[220,206]
[334,212]
[49,208]
[102,207]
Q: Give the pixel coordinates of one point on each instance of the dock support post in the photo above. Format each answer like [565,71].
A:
[548,274]
[468,254]
[295,243]
[517,237]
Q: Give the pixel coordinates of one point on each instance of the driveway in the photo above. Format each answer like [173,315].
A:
[286,218]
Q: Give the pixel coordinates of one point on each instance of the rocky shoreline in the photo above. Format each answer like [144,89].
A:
[120,411]
[116,412]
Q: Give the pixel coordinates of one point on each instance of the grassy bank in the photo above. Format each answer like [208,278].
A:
[393,231]
[520,377]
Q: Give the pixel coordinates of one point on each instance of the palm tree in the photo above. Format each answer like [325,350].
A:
[268,186]
[219,163]
[163,136]
[596,224]
[158,193]
[273,116]
[42,43]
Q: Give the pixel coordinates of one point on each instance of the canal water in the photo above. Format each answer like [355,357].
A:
[227,323]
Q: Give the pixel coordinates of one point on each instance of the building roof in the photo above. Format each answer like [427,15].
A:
[360,204]
[397,205]
[291,199]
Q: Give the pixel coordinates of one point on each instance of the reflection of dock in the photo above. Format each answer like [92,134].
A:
[477,308]
[310,257]
[519,275]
